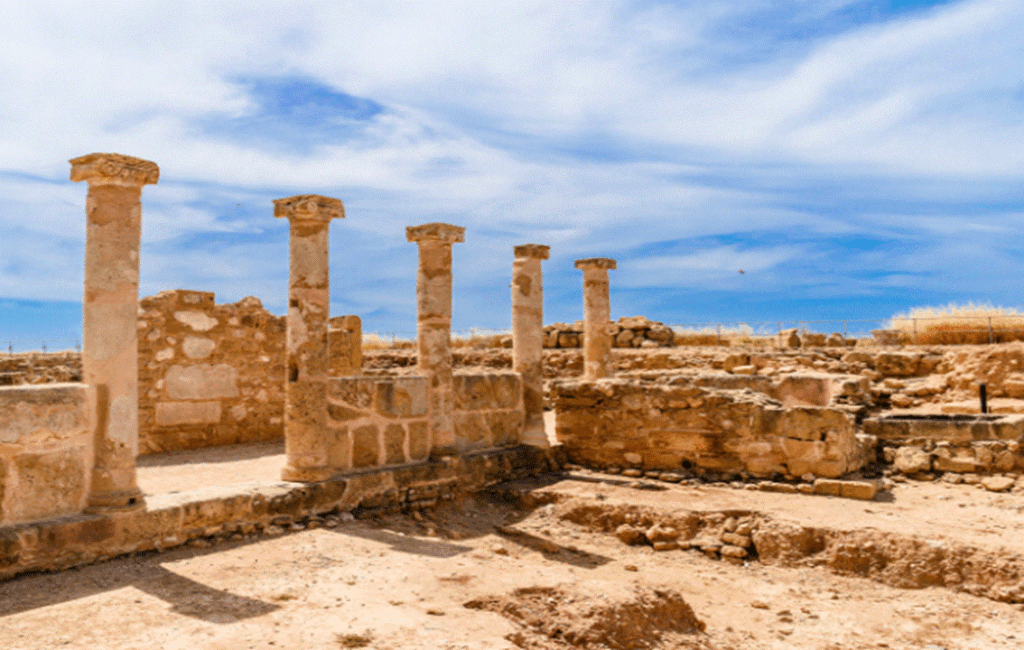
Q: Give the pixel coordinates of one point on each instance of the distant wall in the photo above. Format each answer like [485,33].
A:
[46,441]
[648,425]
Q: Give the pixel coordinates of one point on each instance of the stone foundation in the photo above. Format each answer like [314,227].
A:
[171,520]
[682,426]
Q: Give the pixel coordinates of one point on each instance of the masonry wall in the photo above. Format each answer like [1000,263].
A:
[380,421]
[208,374]
[681,426]
[46,442]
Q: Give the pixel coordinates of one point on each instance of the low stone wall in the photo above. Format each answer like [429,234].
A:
[46,442]
[209,515]
[380,421]
[681,426]
[627,332]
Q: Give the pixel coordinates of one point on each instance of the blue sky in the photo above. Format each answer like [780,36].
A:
[854,158]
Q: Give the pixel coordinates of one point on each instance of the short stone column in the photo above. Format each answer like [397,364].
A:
[434,326]
[528,336]
[597,313]
[309,304]
[110,314]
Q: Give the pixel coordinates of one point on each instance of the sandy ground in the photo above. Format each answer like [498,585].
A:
[404,581]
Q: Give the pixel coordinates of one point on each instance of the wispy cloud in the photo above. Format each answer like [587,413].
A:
[850,152]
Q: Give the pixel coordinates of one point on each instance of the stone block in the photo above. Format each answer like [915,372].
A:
[419,441]
[897,364]
[997,483]
[202,381]
[54,411]
[402,397]
[472,428]
[394,444]
[48,484]
[912,460]
[863,490]
[170,414]
[953,460]
[828,487]
[365,446]
[357,392]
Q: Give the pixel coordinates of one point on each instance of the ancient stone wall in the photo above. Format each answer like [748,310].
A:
[627,332]
[46,450]
[680,425]
[208,374]
[377,421]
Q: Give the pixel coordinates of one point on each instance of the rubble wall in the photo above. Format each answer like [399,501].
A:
[681,426]
[46,443]
[209,374]
[380,421]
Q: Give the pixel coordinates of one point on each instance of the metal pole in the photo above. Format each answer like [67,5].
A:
[915,331]
[990,330]
[984,398]
[844,329]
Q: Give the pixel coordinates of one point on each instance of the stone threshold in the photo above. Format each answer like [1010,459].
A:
[215,513]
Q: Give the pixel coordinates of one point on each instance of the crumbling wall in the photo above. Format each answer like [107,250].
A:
[208,374]
[627,332]
[46,442]
[679,425]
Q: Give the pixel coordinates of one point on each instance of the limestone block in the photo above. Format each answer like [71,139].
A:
[472,428]
[912,460]
[624,338]
[419,441]
[48,484]
[402,397]
[170,414]
[997,483]
[365,446]
[197,347]
[569,340]
[46,412]
[197,320]
[1014,388]
[394,444]
[954,460]
[357,392]
[897,364]
[202,381]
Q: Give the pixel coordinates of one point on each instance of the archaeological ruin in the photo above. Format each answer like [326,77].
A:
[321,427]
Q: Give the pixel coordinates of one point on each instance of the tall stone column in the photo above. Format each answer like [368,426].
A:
[597,313]
[309,305]
[434,325]
[110,314]
[528,336]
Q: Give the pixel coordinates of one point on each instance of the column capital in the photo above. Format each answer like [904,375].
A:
[595,263]
[309,207]
[442,232]
[532,251]
[114,169]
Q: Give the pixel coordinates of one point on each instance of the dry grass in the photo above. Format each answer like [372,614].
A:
[742,335]
[375,341]
[959,324]
[481,339]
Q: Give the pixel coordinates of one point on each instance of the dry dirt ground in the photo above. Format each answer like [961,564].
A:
[527,565]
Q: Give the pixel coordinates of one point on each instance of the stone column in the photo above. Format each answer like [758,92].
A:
[309,305]
[597,313]
[110,314]
[434,325]
[528,336]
